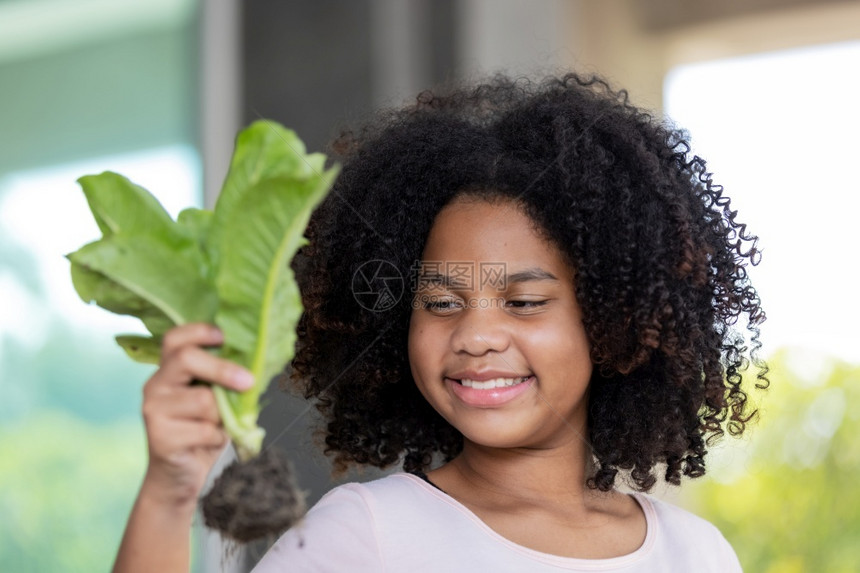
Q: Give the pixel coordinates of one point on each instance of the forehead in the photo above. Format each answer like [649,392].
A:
[499,232]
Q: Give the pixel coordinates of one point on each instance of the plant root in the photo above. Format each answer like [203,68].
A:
[255,499]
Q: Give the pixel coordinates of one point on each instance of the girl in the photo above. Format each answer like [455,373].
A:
[574,282]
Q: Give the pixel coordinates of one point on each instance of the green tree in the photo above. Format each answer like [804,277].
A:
[787,499]
[66,487]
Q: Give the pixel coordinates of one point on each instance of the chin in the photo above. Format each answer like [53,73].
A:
[498,438]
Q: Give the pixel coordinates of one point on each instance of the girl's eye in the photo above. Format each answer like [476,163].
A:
[526,304]
[444,306]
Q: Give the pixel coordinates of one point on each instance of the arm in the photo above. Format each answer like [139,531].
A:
[185,439]
[157,536]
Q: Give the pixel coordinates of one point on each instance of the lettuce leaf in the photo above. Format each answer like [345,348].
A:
[230,266]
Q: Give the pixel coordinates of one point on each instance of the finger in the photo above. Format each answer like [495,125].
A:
[174,438]
[197,334]
[189,403]
[194,363]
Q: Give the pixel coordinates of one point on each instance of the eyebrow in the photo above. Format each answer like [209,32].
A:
[532,274]
[527,275]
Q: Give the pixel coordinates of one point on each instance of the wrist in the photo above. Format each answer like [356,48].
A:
[158,494]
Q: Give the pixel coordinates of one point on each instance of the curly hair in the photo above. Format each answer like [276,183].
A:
[659,259]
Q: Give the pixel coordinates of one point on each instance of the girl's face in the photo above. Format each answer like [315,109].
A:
[496,341]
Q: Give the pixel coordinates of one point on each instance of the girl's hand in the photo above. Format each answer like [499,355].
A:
[183,427]
[185,438]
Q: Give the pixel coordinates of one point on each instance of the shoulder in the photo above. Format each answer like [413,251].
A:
[687,537]
[393,501]
[678,520]
[374,498]
[368,503]
[349,528]
[394,487]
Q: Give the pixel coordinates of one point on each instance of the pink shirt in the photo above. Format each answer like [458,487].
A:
[401,523]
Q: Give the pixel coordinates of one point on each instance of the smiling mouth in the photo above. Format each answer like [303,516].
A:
[493,383]
[491,393]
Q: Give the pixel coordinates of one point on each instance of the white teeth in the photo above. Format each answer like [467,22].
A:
[494,383]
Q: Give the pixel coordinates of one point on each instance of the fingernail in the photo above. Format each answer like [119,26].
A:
[243,379]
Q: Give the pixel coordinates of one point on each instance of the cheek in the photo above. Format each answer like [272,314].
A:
[562,343]
[419,347]
[422,359]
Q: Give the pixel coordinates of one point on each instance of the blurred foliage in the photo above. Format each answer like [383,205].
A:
[75,369]
[787,497]
[66,488]
[72,447]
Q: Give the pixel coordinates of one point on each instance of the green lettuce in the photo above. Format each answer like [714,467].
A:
[229,266]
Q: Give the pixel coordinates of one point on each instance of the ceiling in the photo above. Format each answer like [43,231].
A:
[660,15]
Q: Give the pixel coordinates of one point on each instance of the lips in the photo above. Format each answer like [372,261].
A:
[484,375]
[492,391]
[492,383]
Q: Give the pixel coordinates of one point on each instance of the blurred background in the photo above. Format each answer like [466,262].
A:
[157,89]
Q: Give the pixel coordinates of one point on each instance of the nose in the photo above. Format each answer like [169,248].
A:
[480,330]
